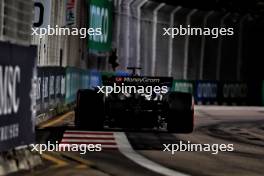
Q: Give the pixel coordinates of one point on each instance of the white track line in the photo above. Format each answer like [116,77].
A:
[126,149]
[88,140]
[106,139]
[103,146]
[93,132]
[87,136]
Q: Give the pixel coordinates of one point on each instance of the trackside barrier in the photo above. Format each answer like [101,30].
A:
[95,79]
[222,93]
[17,88]
[108,74]
[50,88]
[57,86]
[206,92]
[183,86]
[233,93]
[75,79]
[122,73]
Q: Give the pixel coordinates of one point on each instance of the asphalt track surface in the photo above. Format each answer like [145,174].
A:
[243,127]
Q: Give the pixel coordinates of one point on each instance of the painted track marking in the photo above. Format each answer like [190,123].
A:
[106,139]
[126,149]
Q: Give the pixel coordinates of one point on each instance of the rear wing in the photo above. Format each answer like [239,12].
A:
[137,81]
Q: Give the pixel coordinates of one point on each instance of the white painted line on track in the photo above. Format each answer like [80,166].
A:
[104,146]
[106,139]
[88,140]
[126,149]
[89,132]
[86,136]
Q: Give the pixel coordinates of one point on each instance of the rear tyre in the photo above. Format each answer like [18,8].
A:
[90,110]
[180,112]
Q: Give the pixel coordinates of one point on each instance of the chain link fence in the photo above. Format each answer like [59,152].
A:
[138,36]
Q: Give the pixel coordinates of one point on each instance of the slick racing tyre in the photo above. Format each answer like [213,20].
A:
[90,110]
[180,112]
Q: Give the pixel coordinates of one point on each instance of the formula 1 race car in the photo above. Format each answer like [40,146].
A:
[135,102]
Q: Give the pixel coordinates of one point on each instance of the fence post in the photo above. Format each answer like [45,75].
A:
[171,40]
[240,45]
[186,45]
[138,31]
[203,45]
[154,37]
[219,52]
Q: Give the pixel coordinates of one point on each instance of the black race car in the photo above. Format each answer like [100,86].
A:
[135,102]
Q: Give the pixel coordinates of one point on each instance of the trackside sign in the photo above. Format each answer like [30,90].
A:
[101,17]
[42,11]
[17,69]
